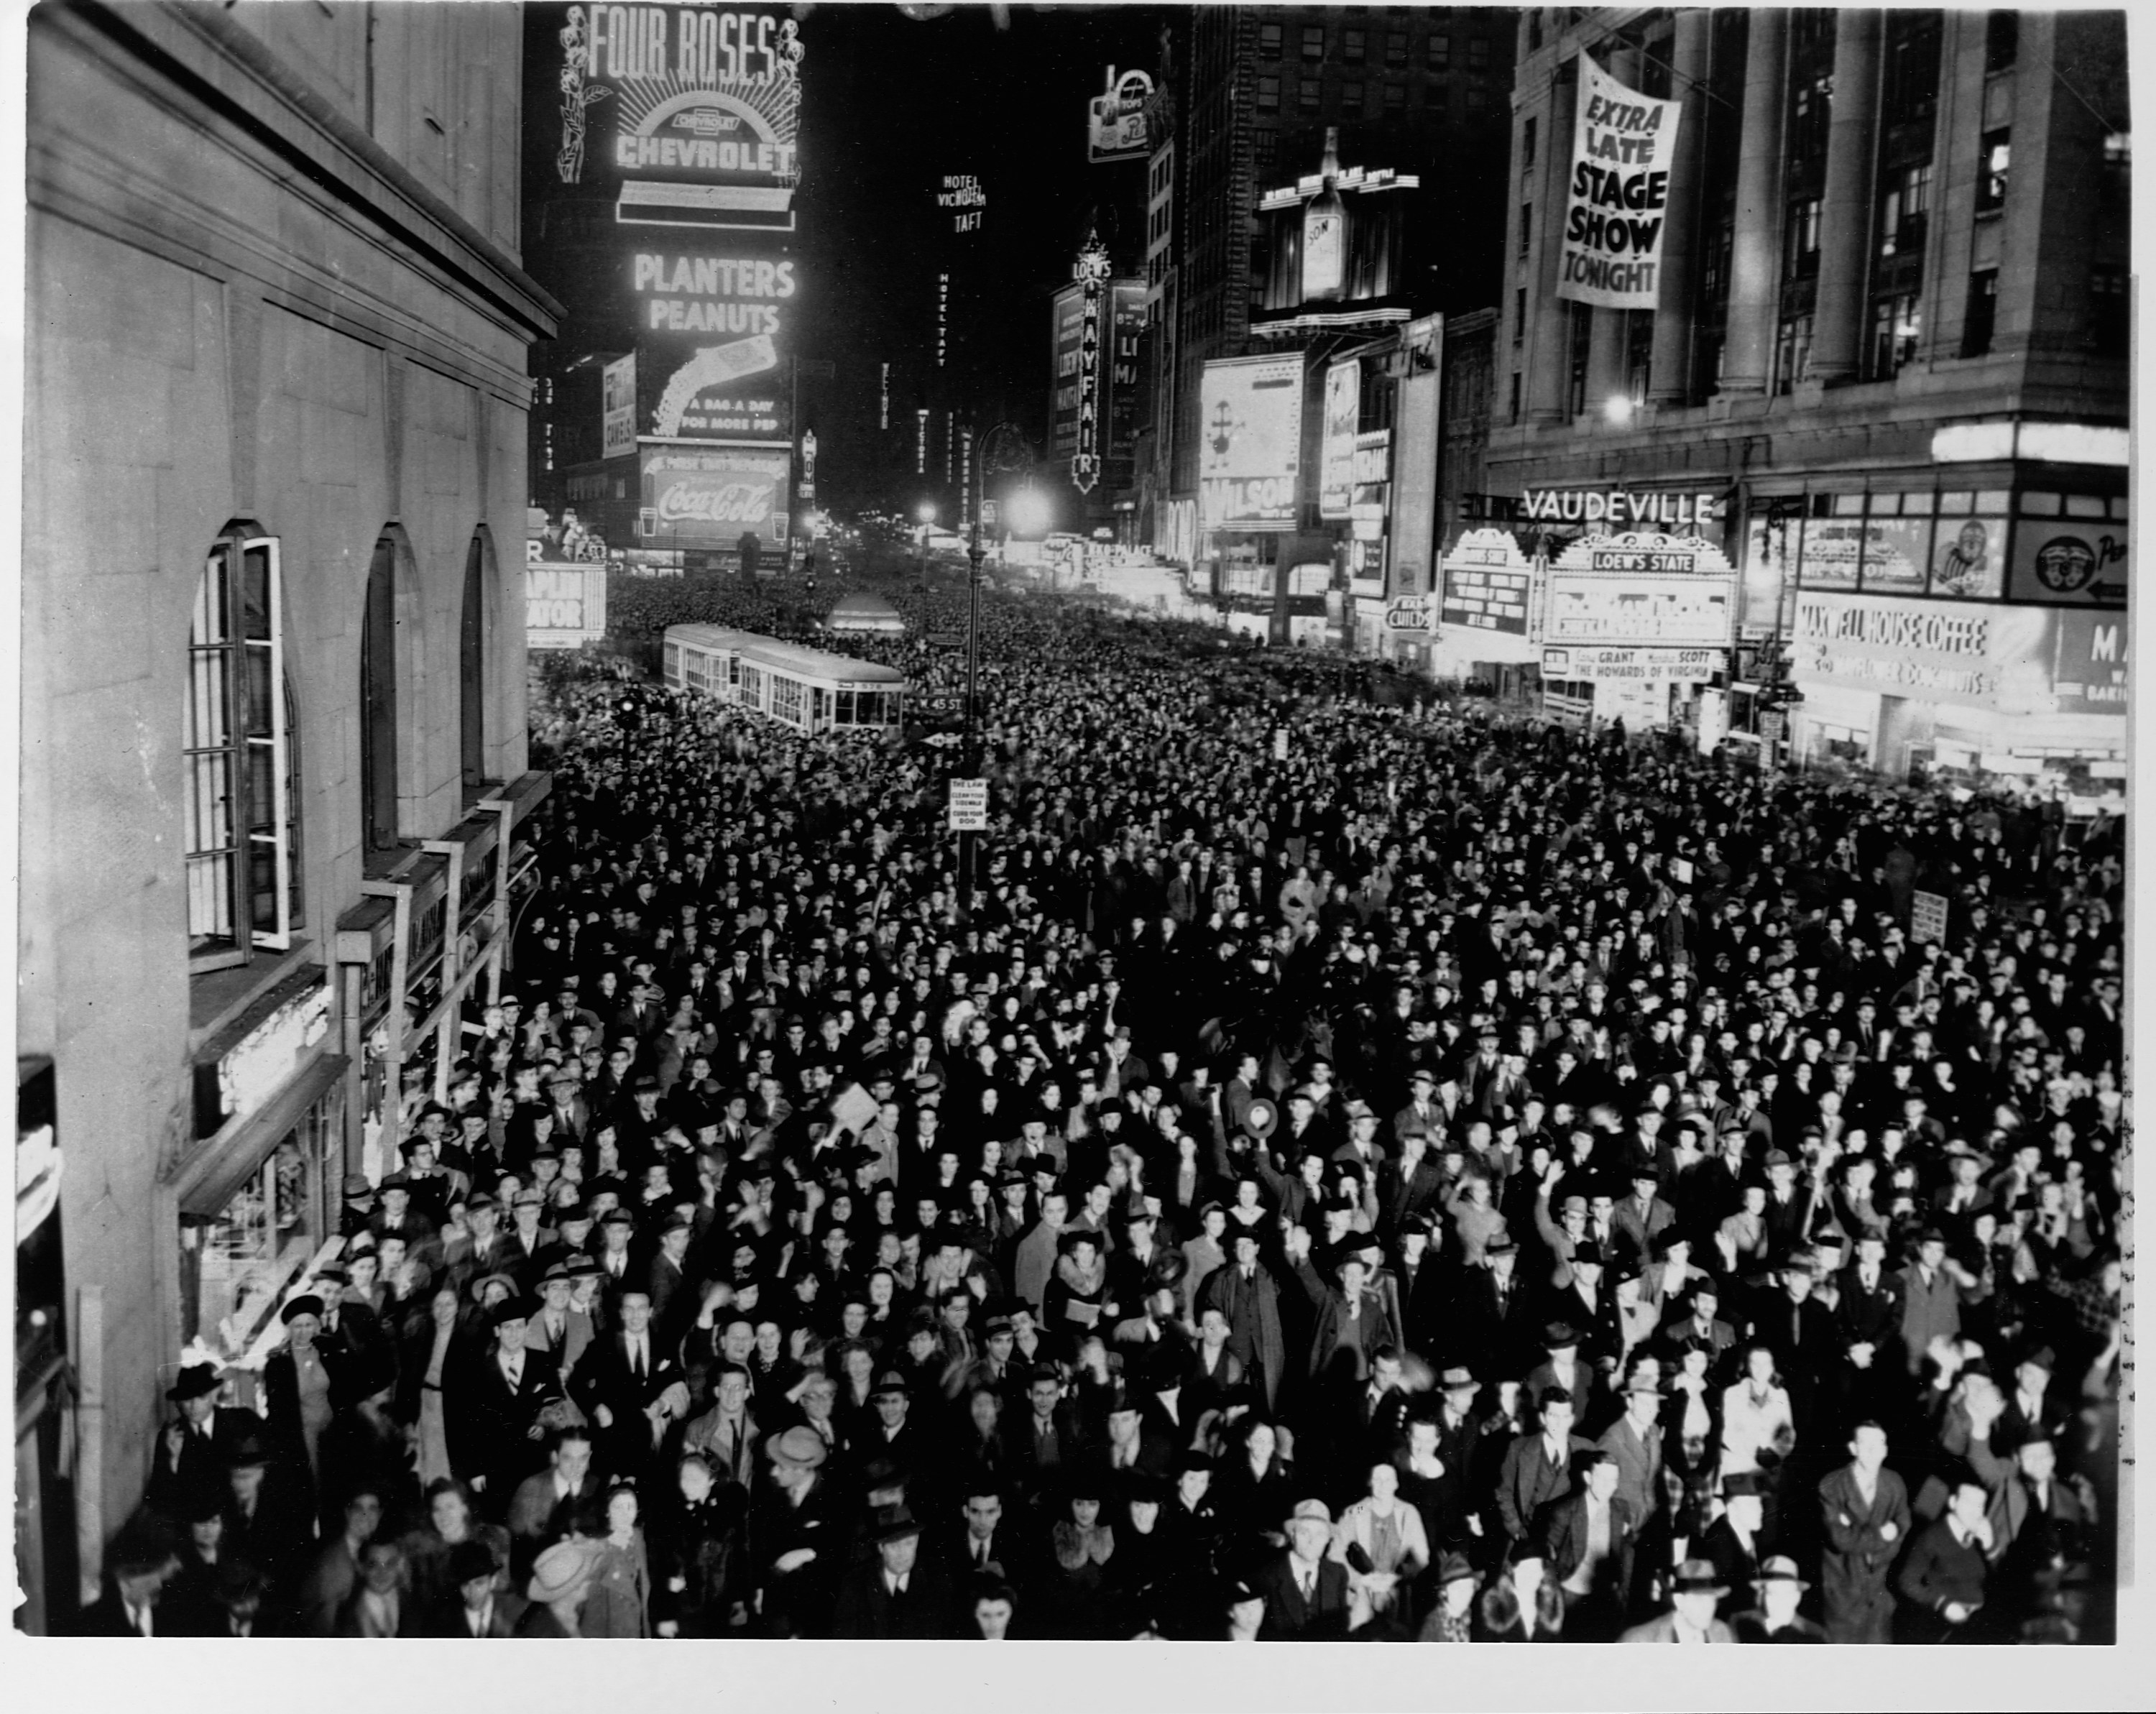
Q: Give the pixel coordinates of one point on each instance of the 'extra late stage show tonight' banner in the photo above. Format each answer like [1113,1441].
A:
[1622,144]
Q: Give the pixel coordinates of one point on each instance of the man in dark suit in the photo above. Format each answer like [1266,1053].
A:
[1304,1591]
[899,1594]
[143,1555]
[492,1409]
[1423,1288]
[1045,1438]
[546,1503]
[472,1607]
[195,1449]
[631,1386]
[1589,1536]
[1495,1319]
[1537,1467]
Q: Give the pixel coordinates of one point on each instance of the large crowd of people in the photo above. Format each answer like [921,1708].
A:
[1340,1170]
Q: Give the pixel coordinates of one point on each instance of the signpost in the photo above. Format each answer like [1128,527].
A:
[969,806]
[1927,917]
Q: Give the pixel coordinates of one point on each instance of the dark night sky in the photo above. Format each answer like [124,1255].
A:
[889,105]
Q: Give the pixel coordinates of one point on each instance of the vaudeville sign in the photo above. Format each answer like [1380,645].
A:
[1622,148]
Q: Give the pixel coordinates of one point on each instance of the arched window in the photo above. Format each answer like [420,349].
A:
[471,662]
[377,702]
[241,754]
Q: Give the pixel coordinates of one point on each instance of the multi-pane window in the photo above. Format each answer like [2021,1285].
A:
[1307,94]
[1478,53]
[1903,212]
[1350,101]
[241,755]
[1793,351]
[1896,322]
[1526,219]
[1396,47]
[1269,41]
[1396,100]
[1269,89]
[1440,52]
[1996,157]
[1353,45]
[1519,314]
[1313,41]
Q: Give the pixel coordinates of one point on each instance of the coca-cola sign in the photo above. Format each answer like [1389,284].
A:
[710,496]
[746,503]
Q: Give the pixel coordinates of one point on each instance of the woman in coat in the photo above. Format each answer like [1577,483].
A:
[619,1602]
[304,1382]
[1393,1544]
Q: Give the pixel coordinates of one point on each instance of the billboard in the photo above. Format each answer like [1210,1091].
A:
[1670,592]
[1624,145]
[618,408]
[1250,444]
[1127,321]
[1115,128]
[713,331]
[709,496]
[1616,665]
[564,604]
[2090,675]
[1488,582]
[1336,448]
[1067,329]
[692,113]
[1998,658]
[2068,560]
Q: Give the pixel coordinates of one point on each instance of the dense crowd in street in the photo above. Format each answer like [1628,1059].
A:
[1439,1179]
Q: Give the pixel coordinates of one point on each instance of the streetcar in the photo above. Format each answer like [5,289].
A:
[806,689]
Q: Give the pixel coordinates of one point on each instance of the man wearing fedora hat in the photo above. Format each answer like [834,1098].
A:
[899,1595]
[1775,1619]
[1694,1592]
[1305,1588]
[798,1533]
[193,1448]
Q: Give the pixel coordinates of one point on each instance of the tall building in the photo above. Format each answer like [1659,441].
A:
[274,786]
[1419,89]
[1879,363]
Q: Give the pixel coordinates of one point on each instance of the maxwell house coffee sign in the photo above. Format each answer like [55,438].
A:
[694,109]
[711,496]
